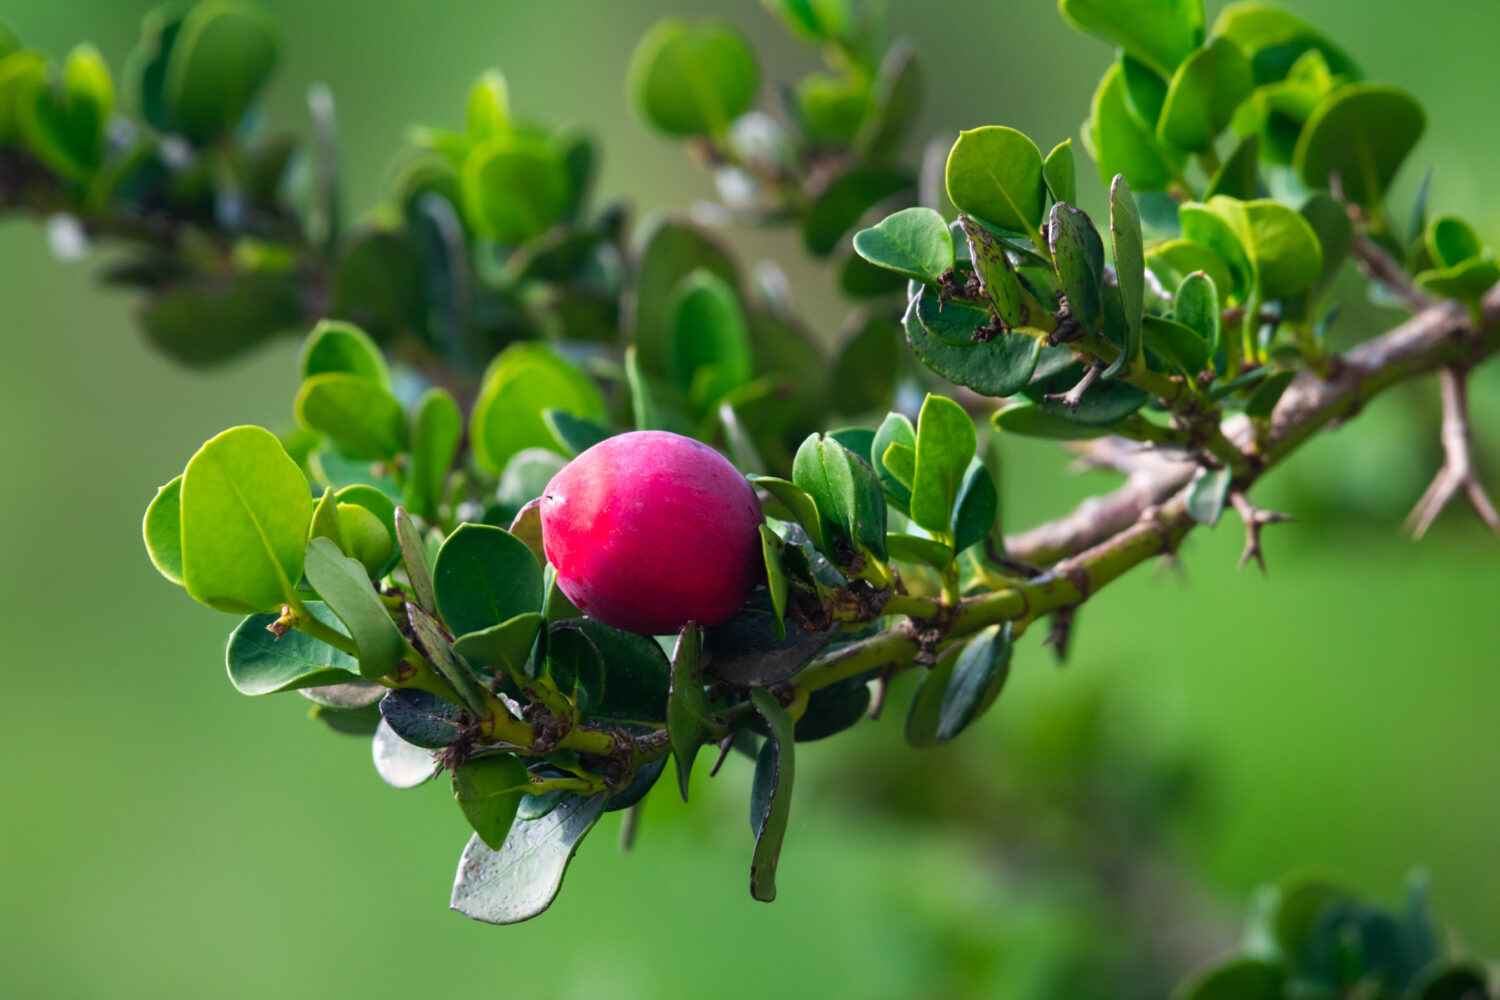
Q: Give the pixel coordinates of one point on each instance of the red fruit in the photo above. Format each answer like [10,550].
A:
[650,530]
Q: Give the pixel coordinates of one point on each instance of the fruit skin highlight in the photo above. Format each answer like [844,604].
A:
[651,530]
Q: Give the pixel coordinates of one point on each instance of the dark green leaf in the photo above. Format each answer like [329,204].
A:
[1266,395]
[692,79]
[436,431]
[1180,346]
[1330,223]
[245,513]
[575,434]
[798,504]
[1242,979]
[260,663]
[1060,173]
[839,208]
[846,491]
[380,284]
[1237,177]
[913,242]
[998,367]
[976,507]
[925,711]
[421,719]
[945,445]
[995,174]
[864,374]
[489,790]
[1361,133]
[443,653]
[771,794]
[637,676]
[1130,269]
[771,547]
[833,709]
[979,673]
[575,665]
[1205,501]
[1204,92]
[162,529]
[745,651]
[1452,982]
[220,58]
[1145,92]
[503,647]
[1031,420]
[484,576]
[687,707]
[1078,255]
[1121,145]
[211,318]
[414,555]
[345,587]
[896,104]
[520,880]
[641,782]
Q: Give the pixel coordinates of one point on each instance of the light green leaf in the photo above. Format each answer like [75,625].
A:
[995,174]
[709,349]
[914,242]
[336,346]
[355,413]
[489,791]
[687,707]
[489,105]
[1060,172]
[692,79]
[345,588]
[1279,245]
[515,187]
[1196,306]
[1160,33]
[162,529]
[262,663]
[945,445]
[895,429]
[1203,95]
[505,646]
[1361,133]
[1121,144]
[521,383]
[436,430]
[771,793]
[221,57]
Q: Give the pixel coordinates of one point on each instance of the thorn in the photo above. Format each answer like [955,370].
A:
[725,745]
[1061,633]
[1458,465]
[1074,396]
[1255,519]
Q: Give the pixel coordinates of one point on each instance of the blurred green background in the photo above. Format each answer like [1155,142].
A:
[162,836]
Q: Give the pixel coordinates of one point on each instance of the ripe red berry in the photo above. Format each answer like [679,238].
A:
[650,530]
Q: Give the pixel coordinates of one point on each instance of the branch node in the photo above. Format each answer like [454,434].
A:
[1457,472]
[1074,396]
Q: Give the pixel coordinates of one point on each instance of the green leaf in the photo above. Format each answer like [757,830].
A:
[245,511]
[336,346]
[522,383]
[1174,260]
[911,549]
[414,555]
[895,429]
[709,351]
[848,197]
[1078,256]
[207,319]
[979,673]
[325,520]
[260,663]
[896,104]
[1130,269]
[574,434]
[1466,282]
[995,174]
[1121,144]
[925,711]
[515,187]
[901,462]
[356,414]
[520,880]
[1145,92]
[998,367]
[914,242]
[1274,39]
[1237,177]
[1202,97]
[692,79]
[997,277]
[976,508]
[1241,979]
[345,588]
[672,249]
[489,790]
[1263,400]
[503,647]
[489,105]
[484,576]
[1060,172]
[433,642]
[1205,501]
[829,108]
[1361,133]
[436,431]
[380,283]
[945,445]
[1031,420]
[1180,346]
[1451,241]
[1160,33]
[220,58]
[1330,224]
[771,794]
[687,706]
[1278,250]
[65,126]
[865,371]
[574,664]
[637,676]
[846,491]
[1452,982]
[771,548]
[399,763]
[834,708]
[798,504]
[162,529]
[363,537]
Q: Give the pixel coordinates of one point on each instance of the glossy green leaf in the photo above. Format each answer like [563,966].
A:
[336,346]
[1466,282]
[421,718]
[260,663]
[1263,400]
[1031,420]
[833,709]
[245,511]
[637,676]
[687,706]
[911,549]
[998,367]
[672,249]
[895,429]
[844,201]
[484,576]
[65,125]
[520,880]
[1274,39]
[1145,92]
[1330,223]
[489,790]
[433,641]
[414,556]
[574,434]
[995,174]
[945,445]
[436,430]
[709,350]
[925,710]
[574,664]
[913,242]
[1451,241]
[771,549]
[1078,256]
[900,462]
[997,276]
[976,506]
[220,58]
[692,79]
[363,420]
[503,647]
[399,763]
[798,504]
[771,793]
[1178,345]
[1279,252]
[1060,172]
[515,187]
[345,587]
[162,529]
[1130,269]
[363,537]
[1238,176]
[522,383]
[325,520]
[1160,33]
[846,491]
[979,673]
[1204,92]
[1242,979]
[1121,144]
[1361,133]
[1205,501]
[865,370]
[1174,260]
